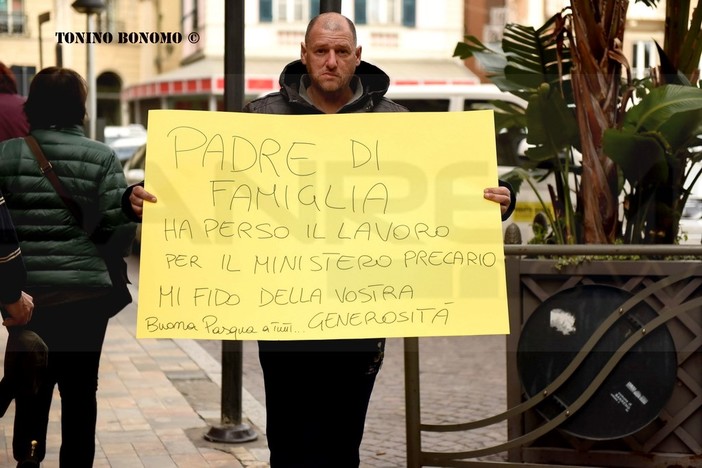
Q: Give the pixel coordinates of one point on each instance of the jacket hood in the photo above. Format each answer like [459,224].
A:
[375,81]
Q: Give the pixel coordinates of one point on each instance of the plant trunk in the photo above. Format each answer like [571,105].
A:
[597,35]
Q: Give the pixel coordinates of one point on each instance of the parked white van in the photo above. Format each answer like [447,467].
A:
[451,98]
[456,98]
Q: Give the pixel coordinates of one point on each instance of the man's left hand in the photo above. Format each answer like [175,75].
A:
[499,195]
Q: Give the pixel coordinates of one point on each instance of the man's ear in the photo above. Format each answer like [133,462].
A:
[358,55]
[303,53]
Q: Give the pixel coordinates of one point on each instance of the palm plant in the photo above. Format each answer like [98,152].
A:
[634,140]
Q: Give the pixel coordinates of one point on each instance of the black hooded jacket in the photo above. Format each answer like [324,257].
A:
[375,83]
[288,101]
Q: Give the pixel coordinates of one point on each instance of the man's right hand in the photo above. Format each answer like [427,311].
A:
[20,311]
[137,197]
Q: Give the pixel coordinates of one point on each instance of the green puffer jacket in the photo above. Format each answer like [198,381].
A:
[57,252]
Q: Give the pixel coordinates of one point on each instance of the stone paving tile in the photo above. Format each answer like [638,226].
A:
[150,448]
[126,462]
[160,461]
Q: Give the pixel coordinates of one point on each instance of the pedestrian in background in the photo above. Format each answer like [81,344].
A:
[25,353]
[13,121]
[66,274]
[16,304]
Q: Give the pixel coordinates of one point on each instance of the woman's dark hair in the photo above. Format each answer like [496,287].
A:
[8,85]
[56,99]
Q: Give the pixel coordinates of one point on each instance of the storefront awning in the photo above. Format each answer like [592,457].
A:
[206,77]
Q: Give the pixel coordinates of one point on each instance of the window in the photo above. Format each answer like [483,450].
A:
[191,17]
[12,17]
[23,76]
[107,19]
[644,58]
[290,11]
[287,11]
[385,12]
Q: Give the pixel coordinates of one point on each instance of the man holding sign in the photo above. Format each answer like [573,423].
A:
[318,391]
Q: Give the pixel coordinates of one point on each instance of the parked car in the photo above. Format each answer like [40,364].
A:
[691,222]
[691,217]
[125,148]
[113,133]
[134,166]
[126,140]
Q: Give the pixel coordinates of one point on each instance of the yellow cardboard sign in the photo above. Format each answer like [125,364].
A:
[273,227]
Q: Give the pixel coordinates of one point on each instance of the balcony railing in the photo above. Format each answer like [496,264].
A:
[13,23]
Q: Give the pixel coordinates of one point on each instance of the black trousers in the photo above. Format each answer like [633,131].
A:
[316,403]
[74,334]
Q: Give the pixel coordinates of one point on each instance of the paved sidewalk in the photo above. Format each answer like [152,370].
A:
[144,416]
[158,398]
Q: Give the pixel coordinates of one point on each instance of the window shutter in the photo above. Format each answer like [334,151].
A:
[314,8]
[359,8]
[265,11]
[409,13]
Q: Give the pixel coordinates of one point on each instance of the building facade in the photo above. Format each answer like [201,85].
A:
[40,33]
[170,54]
[412,40]
[486,19]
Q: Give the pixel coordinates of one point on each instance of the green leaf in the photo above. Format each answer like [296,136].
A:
[471,45]
[660,105]
[682,128]
[533,55]
[641,157]
[493,63]
[673,112]
[650,3]
[539,153]
[551,123]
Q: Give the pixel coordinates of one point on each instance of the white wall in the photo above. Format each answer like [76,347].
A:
[439,27]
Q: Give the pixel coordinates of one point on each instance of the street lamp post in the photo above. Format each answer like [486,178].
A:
[90,7]
[43,18]
[232,429]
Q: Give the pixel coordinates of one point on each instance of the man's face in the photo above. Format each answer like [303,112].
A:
[331,57]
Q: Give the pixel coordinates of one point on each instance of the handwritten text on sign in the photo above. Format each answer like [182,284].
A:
[325,226]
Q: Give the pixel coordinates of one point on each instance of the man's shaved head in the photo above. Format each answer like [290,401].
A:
[331,22]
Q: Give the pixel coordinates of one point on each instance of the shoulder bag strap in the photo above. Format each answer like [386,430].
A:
[48,170]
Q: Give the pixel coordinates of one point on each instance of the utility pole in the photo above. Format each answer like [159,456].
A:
[43,18]
[90,8]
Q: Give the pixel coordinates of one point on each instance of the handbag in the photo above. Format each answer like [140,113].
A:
[119,295]
[26,358]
